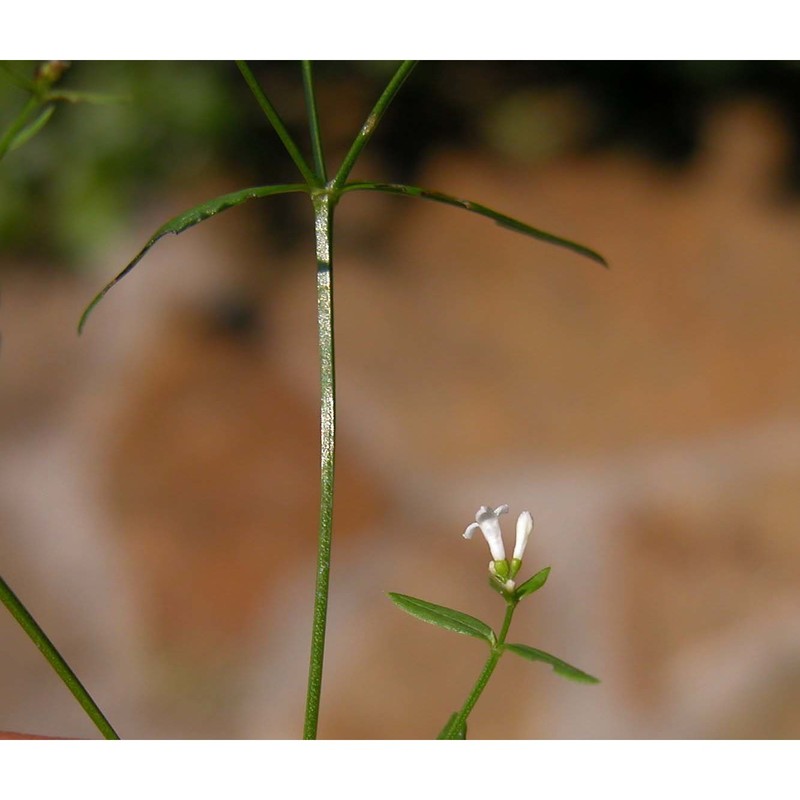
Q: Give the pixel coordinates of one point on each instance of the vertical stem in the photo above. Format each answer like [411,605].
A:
[323,229]
[48,649]
[486,673]
[313,122]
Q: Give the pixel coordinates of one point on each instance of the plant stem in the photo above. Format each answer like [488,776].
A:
[48,649]
[277,124]
[313,122]
[368,128]
[28,110]
[323,228]
[486,673]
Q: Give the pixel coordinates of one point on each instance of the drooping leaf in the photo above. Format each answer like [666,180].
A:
[186,220]
[29,131]
[476,208]
[559,666]
[452,731]
[444,617]
[532,584]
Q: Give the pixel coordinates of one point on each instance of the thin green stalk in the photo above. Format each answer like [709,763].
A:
[48,649]
[277,124]
[323,229]
[368,128]
[28,110]
[313,122]
[486,672]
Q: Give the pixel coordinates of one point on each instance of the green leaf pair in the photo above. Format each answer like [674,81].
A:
[457,621]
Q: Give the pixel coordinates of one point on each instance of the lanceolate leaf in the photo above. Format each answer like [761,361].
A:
[186,220]
[477,208]
[533,584]
[444,617]
[450,731]
[559,666]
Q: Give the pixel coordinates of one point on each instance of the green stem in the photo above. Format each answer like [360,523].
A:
[323,228]
[28,110]
[277,124]
[48,649]
[368,128]
[313,122]
[486,673]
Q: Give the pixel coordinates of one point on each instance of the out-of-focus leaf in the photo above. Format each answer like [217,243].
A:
[451,731]
[29,131]
[186,220]
[559,666]
[532,584]
[93,98]
[444,617]
[476,208]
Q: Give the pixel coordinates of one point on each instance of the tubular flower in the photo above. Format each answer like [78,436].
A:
[524,528]
[487,521]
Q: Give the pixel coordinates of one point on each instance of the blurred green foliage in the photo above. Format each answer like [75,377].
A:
[70,187]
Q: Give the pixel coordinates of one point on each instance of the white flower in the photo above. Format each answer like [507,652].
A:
[524,528]
[487,521]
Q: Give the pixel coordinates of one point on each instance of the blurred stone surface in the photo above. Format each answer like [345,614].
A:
[647,416]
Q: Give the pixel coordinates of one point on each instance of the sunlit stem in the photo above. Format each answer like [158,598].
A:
[323,229]
[49,651]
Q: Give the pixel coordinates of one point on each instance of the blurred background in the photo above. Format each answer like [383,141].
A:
[159,475]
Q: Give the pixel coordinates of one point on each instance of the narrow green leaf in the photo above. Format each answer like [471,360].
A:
[93,98]
[559,666]
[186,220]
[533,584]
[476,208]
[448,731]
[29,131]
[444,617]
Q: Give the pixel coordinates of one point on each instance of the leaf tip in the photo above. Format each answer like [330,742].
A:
[86,312]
